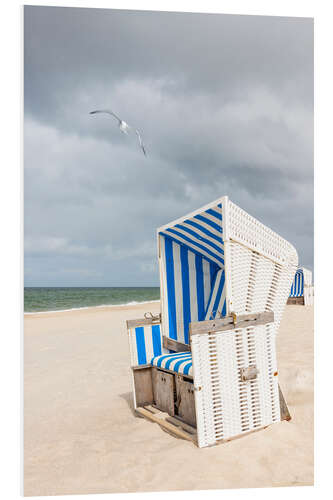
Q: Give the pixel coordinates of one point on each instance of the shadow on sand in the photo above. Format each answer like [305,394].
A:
[128,397]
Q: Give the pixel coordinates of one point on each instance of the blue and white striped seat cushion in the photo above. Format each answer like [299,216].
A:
[179,362]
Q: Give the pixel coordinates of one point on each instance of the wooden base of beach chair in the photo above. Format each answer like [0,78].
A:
[295,301]
[172,402]
[143,386]
[169,392]
[182,428]
[167,398]
[163,390]
[170,424]
[185,404]
[174,394]
[178,428]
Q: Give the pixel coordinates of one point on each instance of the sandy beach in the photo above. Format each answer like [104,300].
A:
[81,435]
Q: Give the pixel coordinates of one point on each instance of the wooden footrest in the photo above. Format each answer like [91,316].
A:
[170,424]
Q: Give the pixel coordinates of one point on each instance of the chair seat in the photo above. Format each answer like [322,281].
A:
[178,362]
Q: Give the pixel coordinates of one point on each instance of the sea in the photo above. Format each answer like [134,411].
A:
[45,299]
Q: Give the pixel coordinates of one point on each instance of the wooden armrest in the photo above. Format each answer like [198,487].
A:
[231,322]
[174,345]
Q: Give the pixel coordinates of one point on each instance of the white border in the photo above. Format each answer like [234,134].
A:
[12,226]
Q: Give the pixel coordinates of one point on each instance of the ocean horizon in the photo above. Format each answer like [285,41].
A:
[52,299]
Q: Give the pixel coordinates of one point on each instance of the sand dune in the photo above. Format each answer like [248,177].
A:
[81,435]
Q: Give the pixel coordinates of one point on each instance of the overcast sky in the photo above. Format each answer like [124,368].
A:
[225,106]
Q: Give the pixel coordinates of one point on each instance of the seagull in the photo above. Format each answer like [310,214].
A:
[123,126]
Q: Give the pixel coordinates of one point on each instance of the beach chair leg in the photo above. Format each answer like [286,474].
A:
[285,415]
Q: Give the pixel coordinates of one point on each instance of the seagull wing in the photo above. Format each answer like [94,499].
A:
[123,125]
[140,141]
[105,111]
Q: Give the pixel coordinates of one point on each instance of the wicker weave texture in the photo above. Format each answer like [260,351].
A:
[248,231]
[256,283]
[225,405]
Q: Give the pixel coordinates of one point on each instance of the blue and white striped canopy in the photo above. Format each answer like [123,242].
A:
[201,233]
[297,287]
[192,272]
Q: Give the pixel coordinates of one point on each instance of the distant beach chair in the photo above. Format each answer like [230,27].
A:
[302,290]
[205,369]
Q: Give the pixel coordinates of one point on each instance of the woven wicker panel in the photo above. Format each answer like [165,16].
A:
[257,284]
[279,290]
[225,405]
[245,229]
[204,368]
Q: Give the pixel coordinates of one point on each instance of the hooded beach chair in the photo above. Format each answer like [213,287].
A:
[205,368]
[302,290]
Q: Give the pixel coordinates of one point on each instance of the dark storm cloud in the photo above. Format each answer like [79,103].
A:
[80,46]
[225,104]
